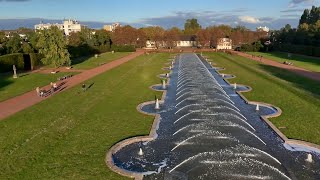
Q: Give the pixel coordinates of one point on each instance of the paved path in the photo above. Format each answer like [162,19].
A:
[298,70]
[16,104]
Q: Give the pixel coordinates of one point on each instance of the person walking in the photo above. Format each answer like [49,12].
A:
[83,87]
[51,87]
[38,91]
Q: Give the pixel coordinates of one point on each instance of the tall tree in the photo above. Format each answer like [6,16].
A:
[141,38]
[191,26]
[170,37]
[27,48]
[74,39]
[13,45]
[53,46]
[305,16]
[125,35]
[204,37]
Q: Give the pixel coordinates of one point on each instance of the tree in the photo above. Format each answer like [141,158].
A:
[13,45]
[103,41]
[33,40]
[3,38]
[191,26]
[287,28]
[125,35]
[74,39]
[170,37]
[305,17]
[204,37]
[156,34]
[26,48]
[141,38]
[53,46]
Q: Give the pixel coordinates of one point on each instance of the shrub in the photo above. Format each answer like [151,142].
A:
[254,47]
[7,61]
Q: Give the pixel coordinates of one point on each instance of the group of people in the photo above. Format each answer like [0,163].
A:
[43,92]
[64,77]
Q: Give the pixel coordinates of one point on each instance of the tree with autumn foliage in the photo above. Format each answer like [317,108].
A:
[170,37]
[204,37]
[125,35]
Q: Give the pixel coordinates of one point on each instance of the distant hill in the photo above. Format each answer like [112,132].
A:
[11,24]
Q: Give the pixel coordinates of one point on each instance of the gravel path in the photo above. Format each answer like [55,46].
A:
[18,103]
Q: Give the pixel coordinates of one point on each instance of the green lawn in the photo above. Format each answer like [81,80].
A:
[306,62]
[92,62]
[26,82]
[67,136]
[298,97]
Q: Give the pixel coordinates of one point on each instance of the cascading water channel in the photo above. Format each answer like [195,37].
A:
[205,133]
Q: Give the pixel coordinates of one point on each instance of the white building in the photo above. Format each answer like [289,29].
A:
[263,29]
[187,41]
[183,42]
[68,26]
[111,27]
[150,45]
[224,43]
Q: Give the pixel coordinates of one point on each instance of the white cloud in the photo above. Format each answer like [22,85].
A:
[294,3]
[249,19]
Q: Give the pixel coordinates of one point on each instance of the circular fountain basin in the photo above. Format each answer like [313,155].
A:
[158,87]
[264,110]
[149,108]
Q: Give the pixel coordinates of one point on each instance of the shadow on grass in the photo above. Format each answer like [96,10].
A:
[22,75]
[90,85]
[81,57]
[4,82]
[307,84]
[297,57]
[80,60]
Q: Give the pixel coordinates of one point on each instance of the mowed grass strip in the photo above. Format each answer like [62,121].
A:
[297,96]
[68,135]
[92,62]
[10,87]
[306,62]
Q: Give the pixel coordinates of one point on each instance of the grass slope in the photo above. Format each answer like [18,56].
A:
[92,62]
[298,97]
[26,82]
[68,135]
[306,62]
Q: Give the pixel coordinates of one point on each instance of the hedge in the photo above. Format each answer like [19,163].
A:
[7,61]
[124,48]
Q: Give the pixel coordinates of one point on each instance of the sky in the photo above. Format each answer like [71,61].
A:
[167,13]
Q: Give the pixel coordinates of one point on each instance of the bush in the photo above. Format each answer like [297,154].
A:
[35,59]
[254,47]
[124,48]
[7,61]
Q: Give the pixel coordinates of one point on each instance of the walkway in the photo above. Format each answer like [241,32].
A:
[18,103]
[297,70]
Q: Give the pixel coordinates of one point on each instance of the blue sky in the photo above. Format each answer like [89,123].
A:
[167,13]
